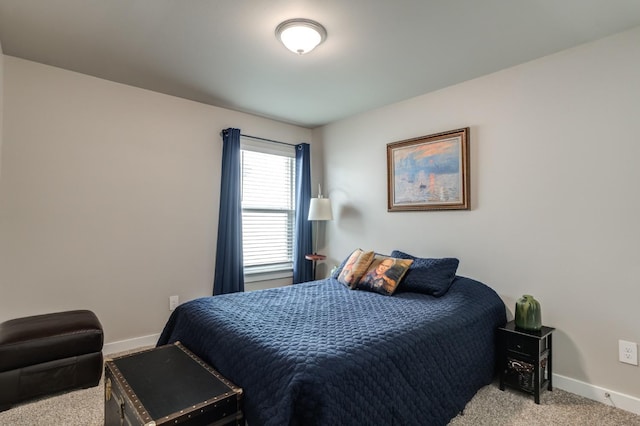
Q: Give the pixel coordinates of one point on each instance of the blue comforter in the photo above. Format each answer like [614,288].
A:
[321,354]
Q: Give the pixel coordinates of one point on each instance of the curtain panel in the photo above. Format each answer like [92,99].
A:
[229,272]
[302,268]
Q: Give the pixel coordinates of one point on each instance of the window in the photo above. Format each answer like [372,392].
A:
[268,206]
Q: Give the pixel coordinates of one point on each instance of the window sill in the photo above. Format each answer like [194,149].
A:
[252,277]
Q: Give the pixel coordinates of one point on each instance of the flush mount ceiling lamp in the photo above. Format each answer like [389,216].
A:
[301,35]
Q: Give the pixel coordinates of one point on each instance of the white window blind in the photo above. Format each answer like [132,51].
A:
[268,207]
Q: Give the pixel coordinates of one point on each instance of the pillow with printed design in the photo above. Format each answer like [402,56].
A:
[354,267]
[384,275]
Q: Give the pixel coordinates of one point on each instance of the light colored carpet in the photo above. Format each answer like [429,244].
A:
[490,406]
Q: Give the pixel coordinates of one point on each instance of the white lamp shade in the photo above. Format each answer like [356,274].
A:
[320,209]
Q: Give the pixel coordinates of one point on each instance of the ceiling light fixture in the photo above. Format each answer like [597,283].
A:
[301,35]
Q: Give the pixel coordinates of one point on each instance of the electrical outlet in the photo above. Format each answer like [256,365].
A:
[628,352]
[174,301]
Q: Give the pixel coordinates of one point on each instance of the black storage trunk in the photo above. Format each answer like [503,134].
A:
[168,385]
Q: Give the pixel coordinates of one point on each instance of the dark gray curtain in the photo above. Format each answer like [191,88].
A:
[302,268]
[229,275]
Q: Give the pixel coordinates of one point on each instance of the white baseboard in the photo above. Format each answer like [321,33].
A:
[597,393]
[127,345]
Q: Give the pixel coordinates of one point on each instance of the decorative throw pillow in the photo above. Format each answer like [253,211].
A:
[384,274]
[336,273]
[338,270]
[354,267]
[430,276]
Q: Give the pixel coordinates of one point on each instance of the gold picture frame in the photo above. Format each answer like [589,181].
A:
[429,173]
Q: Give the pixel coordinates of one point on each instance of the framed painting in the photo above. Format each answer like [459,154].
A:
[429,173]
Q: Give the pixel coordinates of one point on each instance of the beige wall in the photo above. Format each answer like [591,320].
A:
[1,102]
[554,176]
[109,196]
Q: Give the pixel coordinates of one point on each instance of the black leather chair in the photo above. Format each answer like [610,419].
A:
[51,353]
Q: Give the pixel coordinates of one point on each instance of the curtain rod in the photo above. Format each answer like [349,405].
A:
[267,140]
[264,139]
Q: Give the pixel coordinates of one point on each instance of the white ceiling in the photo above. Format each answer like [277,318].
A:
[224,52]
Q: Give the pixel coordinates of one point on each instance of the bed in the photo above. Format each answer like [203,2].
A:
[319,353]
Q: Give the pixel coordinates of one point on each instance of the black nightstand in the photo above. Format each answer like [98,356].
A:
[525,358]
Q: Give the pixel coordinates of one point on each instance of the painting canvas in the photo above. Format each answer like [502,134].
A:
[429,173]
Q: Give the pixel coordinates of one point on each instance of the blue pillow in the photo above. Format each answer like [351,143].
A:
[430,276]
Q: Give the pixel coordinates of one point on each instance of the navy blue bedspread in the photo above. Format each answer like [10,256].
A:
[321,354]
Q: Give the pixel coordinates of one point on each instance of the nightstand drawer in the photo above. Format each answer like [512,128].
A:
[523,345]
